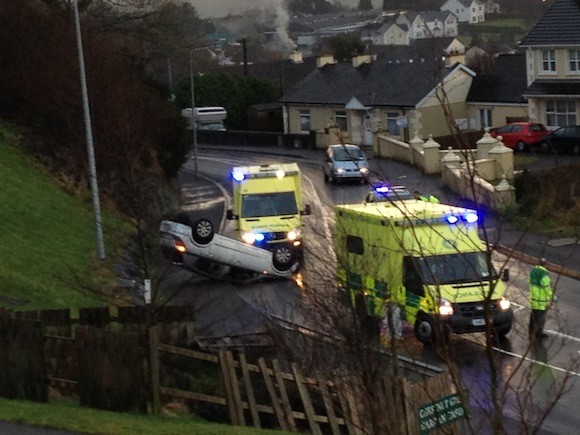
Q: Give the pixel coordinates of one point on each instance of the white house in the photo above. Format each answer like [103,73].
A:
[390,34]
[467,11]
[429,24]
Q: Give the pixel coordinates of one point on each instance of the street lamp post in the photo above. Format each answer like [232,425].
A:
[193,124]
[89,133]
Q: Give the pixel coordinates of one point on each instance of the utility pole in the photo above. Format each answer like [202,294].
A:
[245,54]
[88,129]
[193,124]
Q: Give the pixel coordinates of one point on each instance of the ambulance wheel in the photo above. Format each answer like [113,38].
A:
[283,257]
[202,231]
[426,330]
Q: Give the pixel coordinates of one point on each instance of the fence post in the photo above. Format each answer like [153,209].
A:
[154,367]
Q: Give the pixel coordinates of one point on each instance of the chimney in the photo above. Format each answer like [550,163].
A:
[296,56]
[360,59]
[326,59]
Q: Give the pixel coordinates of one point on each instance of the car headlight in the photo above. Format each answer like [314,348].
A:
[445,308]
[339,170]
[249,238]
[294,234]
[364,170]
[504,304]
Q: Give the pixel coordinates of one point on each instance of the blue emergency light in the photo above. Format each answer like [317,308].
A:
[259,237]
[469,216]
[238,176]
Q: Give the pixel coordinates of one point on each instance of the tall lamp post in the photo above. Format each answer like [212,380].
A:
[193,125]
[89,133]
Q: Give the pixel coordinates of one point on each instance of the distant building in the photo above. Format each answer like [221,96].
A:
[466,11]
[429,24]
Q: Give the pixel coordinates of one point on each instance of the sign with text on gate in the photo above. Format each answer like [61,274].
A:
[440,413]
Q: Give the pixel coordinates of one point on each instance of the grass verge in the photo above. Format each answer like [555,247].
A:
[70,417]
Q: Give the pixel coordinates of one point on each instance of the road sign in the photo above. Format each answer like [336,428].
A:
[440,413]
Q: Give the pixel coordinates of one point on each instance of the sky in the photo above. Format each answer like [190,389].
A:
[221,8]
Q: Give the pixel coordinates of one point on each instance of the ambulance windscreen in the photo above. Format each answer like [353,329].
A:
[269,204]
[456,268]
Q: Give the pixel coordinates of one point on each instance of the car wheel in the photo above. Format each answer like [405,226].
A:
[203,231]
[283,258]
[325,178]
[521,146]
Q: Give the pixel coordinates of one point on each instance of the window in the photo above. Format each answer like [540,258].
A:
[392,125]
[355,245]
[305,120]
[549,61]
[560,112]
[485,118]
[574,61]
[340,119]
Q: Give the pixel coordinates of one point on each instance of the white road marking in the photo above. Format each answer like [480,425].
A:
[561,334]
[525,358]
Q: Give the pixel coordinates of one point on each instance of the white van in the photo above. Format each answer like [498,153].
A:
[207,118]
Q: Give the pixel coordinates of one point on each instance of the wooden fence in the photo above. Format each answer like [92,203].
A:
[120,370]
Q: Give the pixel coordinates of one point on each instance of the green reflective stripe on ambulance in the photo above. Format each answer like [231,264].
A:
[412,300]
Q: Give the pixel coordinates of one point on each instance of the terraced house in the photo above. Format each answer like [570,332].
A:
[553,66]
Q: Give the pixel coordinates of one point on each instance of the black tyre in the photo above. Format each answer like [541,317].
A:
[202,231]
[521,146]
[325,178]
[425,329]
[283,257]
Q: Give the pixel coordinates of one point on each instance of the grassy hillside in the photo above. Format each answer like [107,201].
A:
[47,241]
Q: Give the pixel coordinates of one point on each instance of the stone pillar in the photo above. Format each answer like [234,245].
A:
[449,162]
[415,145]
[506,194]
[504,160]
[485,144]
[431,154]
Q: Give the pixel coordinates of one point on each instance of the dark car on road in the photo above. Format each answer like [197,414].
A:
[521,136]
[565,140]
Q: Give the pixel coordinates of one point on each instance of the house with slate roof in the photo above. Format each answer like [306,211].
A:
[553,65]
[386,33]
[466,11]
[496,98]
[429,24]
[367,96]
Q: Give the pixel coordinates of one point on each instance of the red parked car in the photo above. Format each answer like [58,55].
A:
[521,136]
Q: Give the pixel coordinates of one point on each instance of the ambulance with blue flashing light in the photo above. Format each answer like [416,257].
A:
[268,207]
[425,258]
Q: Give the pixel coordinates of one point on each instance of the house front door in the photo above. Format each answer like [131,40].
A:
[367,132]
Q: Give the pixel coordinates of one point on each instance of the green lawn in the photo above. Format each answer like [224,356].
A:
[48,238]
